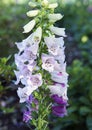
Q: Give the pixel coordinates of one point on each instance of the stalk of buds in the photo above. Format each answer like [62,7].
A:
[41,66]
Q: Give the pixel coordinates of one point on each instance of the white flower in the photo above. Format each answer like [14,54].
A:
[23,73]
[25,43]
[54,44]
[30,53]
[48,62]
[35,80]
[52,6]
[54,17]
[45,2]
[20,46]
[59,77]
[30,40]
[58,89]
[61,56]
[18,76]
[24,93]
[18,60]
[28,27]
[32,13]
[37,35]
[58,31]
[32,4]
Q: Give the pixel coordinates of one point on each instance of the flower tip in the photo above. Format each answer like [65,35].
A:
[32,13]
[53,6]
[28,27]
[45,2]
[32,4]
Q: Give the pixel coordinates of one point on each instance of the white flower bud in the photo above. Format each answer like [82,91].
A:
[28,27]
[54,17]
[58,31]
[32,4]
[32,13]
[45,2]
[53,6]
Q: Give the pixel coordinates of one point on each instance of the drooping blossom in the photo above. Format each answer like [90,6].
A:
[29,26]
[53,6]
[48,62]
[59,110]
[58,89]
[58,31]
[35,80]
[54,17]
[59,77]
[24,93]
[37,35]
[32,13]
[32,4]
[59,99]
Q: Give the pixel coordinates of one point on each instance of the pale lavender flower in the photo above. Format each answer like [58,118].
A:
[54,44]
[61,77]
[34,38]
[18,76]
[18,60]
[57,89]
[60,68]
[25,43]
[24,93]
[48,62]
[35,80]
[28,55]
[23,73]
[61,56]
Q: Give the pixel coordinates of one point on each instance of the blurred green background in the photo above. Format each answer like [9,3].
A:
[78,23]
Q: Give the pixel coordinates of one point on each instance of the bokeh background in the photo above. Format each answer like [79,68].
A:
[78,23]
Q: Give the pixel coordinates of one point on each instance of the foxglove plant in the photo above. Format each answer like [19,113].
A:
[41,67]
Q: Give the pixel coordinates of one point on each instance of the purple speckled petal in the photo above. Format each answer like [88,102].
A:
[59,110]
[59,100]
[27,116]
[30,99]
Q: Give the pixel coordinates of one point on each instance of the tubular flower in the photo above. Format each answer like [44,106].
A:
[32,13]
[52,6]
[58,31]
[54,17]
[29,26]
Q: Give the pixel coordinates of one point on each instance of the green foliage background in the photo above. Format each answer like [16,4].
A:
[78,23]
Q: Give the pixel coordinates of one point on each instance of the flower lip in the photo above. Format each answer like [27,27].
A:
[59,110]
[59,100]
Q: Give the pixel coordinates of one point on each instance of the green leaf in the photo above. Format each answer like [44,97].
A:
[89,122]
[84,110]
